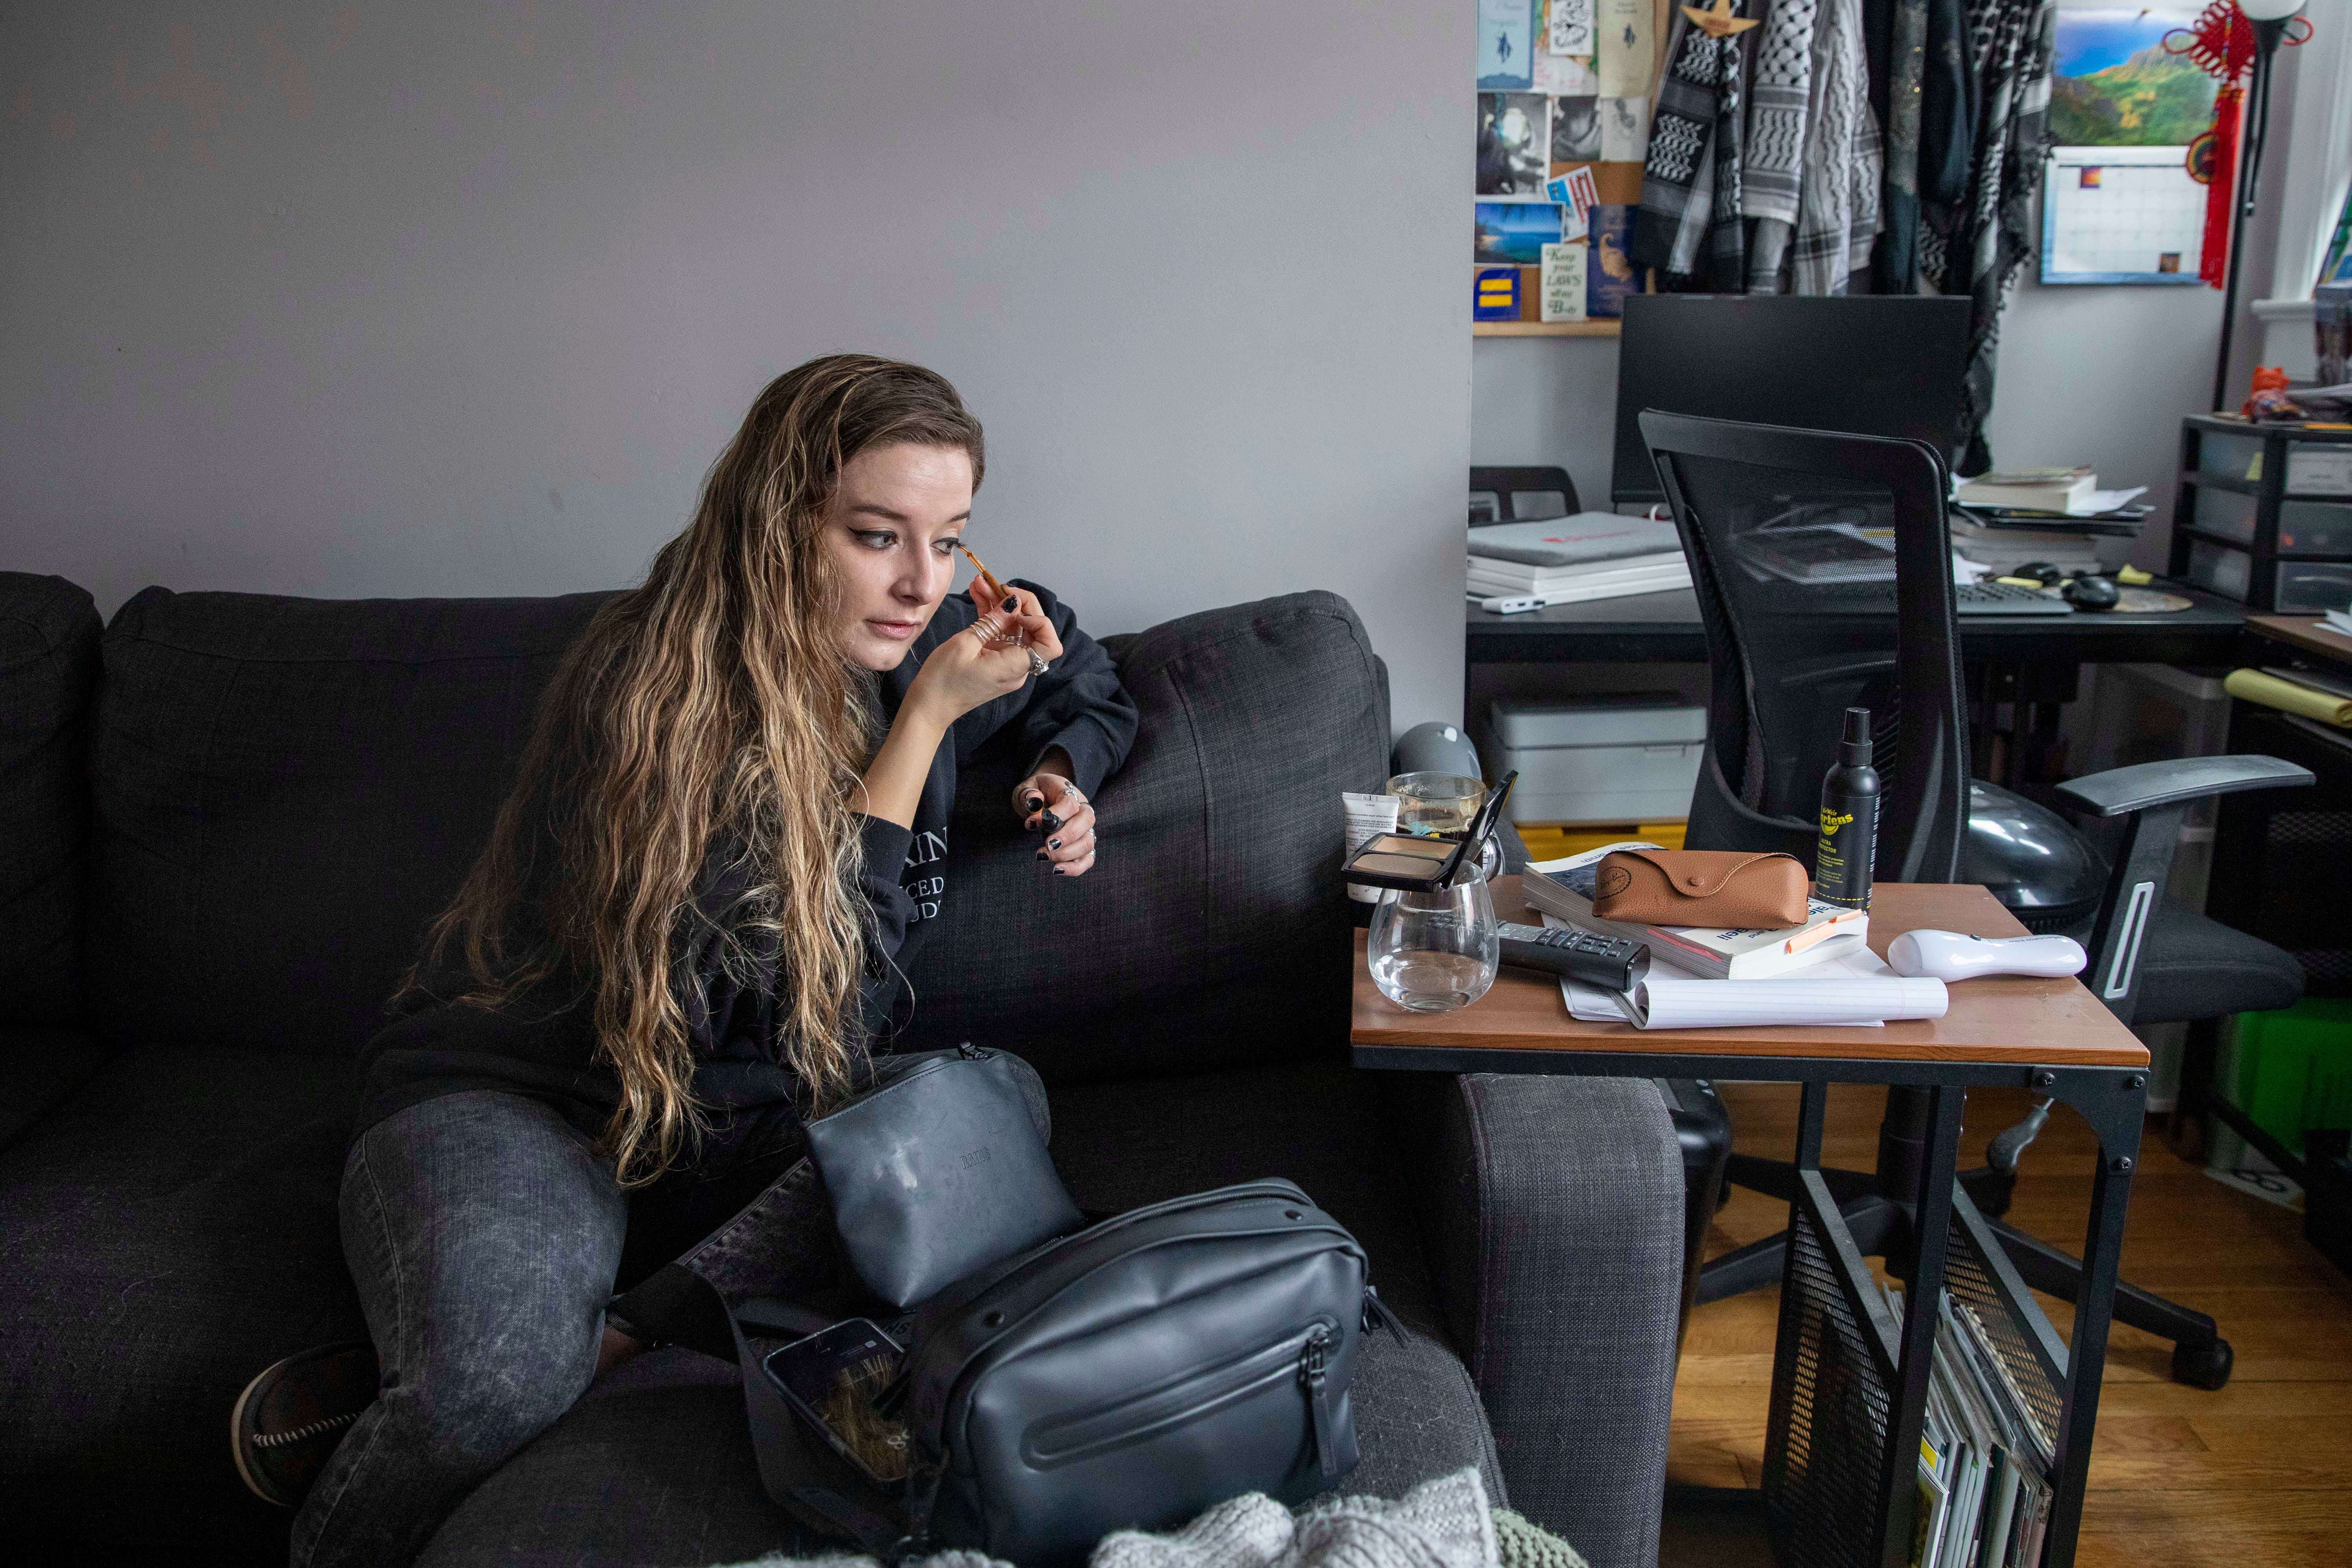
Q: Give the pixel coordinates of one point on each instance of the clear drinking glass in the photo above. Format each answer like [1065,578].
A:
[1435,951]
[1444,803]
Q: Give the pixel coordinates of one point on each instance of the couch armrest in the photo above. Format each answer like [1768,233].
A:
[1553,1213]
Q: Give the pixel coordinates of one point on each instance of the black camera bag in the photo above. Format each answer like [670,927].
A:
[1127,1376]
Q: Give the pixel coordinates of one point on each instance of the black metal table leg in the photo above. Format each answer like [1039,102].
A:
[2113,1104]
[1931,1231]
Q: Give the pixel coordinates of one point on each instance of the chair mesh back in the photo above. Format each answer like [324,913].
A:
[1822,566]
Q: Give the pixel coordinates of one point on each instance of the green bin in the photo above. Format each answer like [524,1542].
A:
[2292,1070]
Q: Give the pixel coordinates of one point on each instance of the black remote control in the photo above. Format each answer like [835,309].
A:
[1611,963]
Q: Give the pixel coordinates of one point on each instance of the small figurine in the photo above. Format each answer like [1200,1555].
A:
[2269,399]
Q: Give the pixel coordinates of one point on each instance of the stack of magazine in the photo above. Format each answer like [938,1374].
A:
[1570,560]
[1984,1461]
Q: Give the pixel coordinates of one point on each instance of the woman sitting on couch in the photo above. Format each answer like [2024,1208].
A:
[728,830]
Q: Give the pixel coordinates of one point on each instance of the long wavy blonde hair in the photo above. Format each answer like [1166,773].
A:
[711,705]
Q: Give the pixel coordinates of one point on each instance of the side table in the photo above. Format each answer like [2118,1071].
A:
[1849,1381]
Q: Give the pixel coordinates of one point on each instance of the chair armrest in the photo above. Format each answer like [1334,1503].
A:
[2119,791]
[1553,1213]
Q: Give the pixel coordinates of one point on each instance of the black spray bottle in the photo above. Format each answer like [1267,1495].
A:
[1849,820]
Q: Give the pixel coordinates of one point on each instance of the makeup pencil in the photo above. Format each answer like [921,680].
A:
[1004,595]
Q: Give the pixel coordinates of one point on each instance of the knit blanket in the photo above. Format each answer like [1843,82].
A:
[1441,1524]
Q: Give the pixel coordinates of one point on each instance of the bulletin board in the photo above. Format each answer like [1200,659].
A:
[1564,94]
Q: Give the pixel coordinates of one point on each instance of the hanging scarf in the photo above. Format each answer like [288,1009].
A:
[1976,247]
[1677,207]
[1895,264]
[1837,214]
[1779,97]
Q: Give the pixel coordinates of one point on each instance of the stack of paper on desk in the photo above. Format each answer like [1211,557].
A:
[1856,987]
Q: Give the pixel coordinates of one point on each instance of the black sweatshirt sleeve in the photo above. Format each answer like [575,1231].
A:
[1077,704]
[734,1010]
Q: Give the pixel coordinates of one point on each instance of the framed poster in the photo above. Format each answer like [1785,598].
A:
[2118,202]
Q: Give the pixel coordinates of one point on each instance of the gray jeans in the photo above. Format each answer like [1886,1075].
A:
[484,1236]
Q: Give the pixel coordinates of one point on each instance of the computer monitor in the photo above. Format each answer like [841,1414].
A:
[1873,366]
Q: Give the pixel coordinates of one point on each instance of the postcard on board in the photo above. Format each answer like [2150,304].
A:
[1514,144]
[1515,232]
[1507,44]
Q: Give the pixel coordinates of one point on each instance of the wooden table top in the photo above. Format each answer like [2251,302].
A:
[2305,632]
[2029,1022]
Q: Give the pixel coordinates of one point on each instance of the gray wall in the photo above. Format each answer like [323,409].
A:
[446,297]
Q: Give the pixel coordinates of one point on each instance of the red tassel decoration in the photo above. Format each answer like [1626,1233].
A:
[2228,112]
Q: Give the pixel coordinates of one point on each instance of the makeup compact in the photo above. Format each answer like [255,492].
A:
[1408,864]
[1413,865]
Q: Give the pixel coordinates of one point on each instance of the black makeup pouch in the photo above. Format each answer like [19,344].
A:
[938,1167]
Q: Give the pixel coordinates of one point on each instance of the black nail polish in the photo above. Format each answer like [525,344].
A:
[1058,871]
[1041,854]
[1036,803]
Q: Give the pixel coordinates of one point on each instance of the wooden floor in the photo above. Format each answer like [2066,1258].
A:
[2258,1475]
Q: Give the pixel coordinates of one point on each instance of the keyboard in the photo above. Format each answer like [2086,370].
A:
[1985,598]
[2007,599]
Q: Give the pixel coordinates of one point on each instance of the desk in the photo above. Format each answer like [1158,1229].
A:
[1843,1364]
[1663,628]
[2027,662]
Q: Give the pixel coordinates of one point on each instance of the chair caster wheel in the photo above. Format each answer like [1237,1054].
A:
[2202,1368]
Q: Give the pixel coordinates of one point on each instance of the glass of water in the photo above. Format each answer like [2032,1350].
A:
[1444,803]
[1434,951]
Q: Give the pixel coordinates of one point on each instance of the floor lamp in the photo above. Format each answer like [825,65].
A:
[2270,19]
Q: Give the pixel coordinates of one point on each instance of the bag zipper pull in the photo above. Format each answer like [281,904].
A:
[1312,1374]
[1378,1316]
[971,1052]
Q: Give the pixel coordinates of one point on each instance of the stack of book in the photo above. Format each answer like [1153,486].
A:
[2001,521]
[1568,559]
[1565,887]
[1704,978]
[1984,1461]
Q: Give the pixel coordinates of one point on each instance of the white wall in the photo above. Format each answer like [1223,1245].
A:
[1547,402]
[444,298]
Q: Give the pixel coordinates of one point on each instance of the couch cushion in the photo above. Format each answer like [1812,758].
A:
[287,790]
[48,669]
[165,1234]
[38,1068]
[1212,932]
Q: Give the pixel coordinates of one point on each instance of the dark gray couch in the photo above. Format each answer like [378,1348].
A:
[224,819]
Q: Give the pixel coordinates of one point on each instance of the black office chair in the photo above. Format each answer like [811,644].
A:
[1823,567]
[1520,495]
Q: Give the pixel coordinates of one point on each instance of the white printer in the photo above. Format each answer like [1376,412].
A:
[1626,758]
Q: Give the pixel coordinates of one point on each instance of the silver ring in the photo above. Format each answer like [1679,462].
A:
[1036,661]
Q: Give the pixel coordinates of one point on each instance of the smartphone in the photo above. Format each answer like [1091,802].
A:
[856,1357]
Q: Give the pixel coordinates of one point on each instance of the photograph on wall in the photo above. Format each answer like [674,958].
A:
[2118,204]
[1515,232]
[2112,83]
[1514,144]
[1624,130]
[1507,43]
[1575,130]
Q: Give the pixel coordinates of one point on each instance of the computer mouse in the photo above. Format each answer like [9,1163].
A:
[2092,593]
[2041,572]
